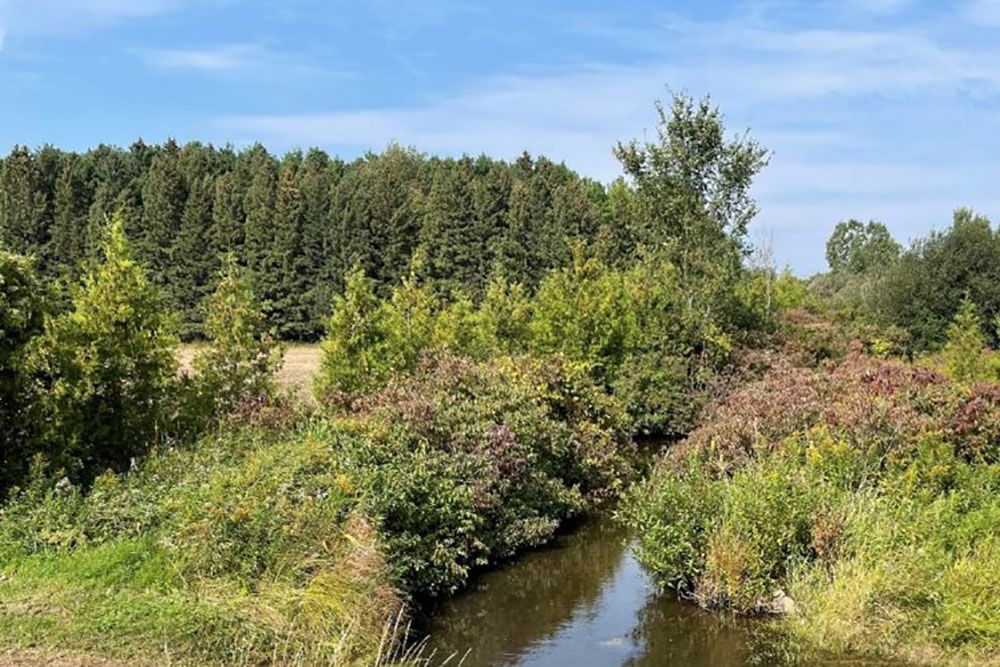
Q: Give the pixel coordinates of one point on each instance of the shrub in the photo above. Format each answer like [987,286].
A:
[106,370]
[472,462]
[964,350]
[241,359]
[859,499]
[354,349]
[247,548]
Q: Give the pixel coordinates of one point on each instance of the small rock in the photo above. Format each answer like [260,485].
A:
[782,604]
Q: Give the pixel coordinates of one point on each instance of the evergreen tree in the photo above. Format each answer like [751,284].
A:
[258,209]
[22,204]
[164,194]
[520,253]
[284,276]
[354,351]
[226,234]
[241,360]
[452,251]
[315,180]
[106,369]
[194,264]
[69,228]
[21,312]
[963,353]
[615,242]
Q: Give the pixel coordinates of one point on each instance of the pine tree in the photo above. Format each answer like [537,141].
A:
[22,204]
[21,315]
[258,209]
[490,195]
[316,180]
[378,223]
[284,281]
[226,234]
[615,239]
[354,351]
[194,264]
[520,253]
[69,229]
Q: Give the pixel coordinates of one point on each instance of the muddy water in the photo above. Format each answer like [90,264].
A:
[583,602]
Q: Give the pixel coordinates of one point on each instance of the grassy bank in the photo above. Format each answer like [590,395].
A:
[860,501]
[302,539]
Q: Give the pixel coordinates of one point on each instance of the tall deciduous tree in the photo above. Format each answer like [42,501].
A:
[694,186]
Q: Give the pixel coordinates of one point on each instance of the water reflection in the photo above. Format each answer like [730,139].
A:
[585,601]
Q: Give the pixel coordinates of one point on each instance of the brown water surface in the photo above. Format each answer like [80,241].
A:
[583,602]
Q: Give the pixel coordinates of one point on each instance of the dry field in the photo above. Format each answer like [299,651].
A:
[300,365]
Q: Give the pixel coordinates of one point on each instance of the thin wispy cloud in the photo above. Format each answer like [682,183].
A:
[45,17]
[226,57]
[246,60]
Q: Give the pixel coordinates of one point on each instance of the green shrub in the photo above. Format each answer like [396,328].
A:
[859,500]
[241,360]
[472,462]
[247,548]
[106,371]
[964,351]
[354,350]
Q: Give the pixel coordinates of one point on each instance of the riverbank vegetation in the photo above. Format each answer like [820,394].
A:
[494,338]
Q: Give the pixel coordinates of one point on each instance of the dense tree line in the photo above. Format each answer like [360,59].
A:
[300,223]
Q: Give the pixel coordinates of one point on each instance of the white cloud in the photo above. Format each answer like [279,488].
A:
[224,57]
[879,6]
[47,17]
[250,60]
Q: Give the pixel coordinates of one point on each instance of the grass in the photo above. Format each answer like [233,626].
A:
[243,550]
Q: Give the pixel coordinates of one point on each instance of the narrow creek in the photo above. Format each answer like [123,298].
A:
[584,601]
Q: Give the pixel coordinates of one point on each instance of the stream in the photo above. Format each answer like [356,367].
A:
[583,601]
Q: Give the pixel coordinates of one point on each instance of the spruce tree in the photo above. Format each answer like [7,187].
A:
[226,234]
[520,253]
[452,252]
[963,353]
[22,204]
[69,228]
[164,194]
[193,262]
[316,180]
[284,282]
[22,307]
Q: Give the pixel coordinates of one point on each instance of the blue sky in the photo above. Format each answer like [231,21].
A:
[886,109]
